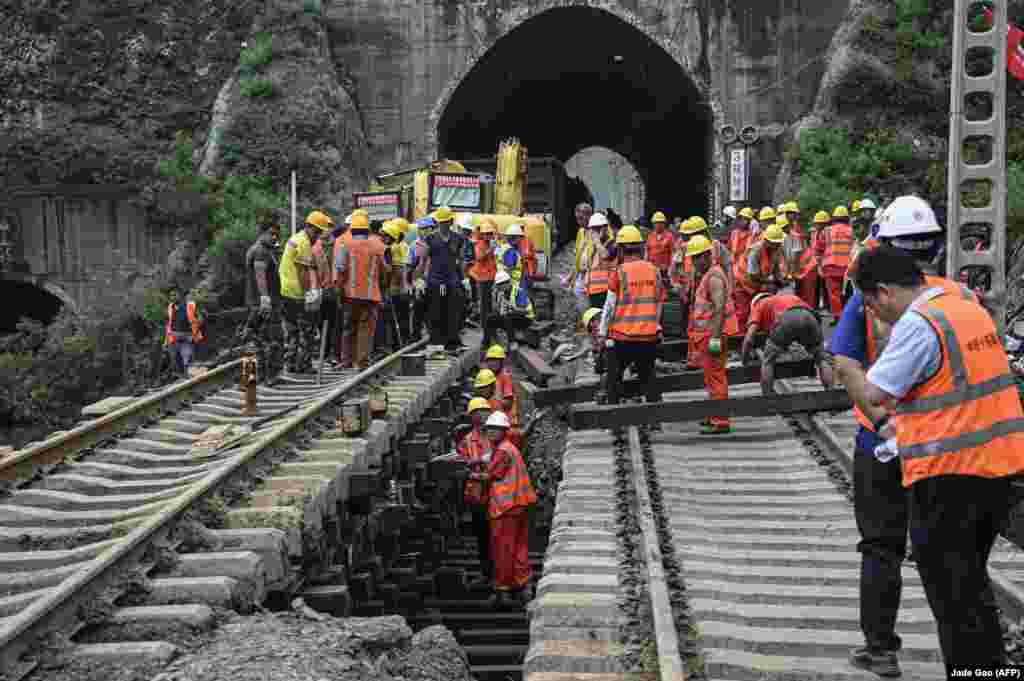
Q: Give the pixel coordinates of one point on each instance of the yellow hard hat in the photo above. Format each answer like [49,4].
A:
[767,213]
[697,245]
[361,211]
[659,217]
[747,213]
[392,230]
[360,221]
[487,226]
[856,206]
[484,378]
[780,209]
[589,315]
[402,224]
[821,218]
[476,404]
[444,214]
[759,297]
[495,352]
[629,235]
[782,221]
[319,220]
[774,234]
[695,225]
[791,207]
[840,212]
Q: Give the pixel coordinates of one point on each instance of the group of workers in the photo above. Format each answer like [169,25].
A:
[941,438]
[358,284]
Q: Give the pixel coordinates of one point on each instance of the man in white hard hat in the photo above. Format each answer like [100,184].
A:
[724,224]
[880,501]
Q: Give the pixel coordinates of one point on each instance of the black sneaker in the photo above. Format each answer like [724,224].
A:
[881,662]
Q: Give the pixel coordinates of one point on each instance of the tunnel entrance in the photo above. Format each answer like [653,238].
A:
[25,299]
[613,181]
[622,91]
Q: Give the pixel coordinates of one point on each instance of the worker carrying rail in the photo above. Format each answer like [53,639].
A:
[631,319]
[958,426]
[787,319]
[909,226]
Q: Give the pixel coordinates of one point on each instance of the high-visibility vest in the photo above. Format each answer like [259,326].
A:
[365,263]
[323,268]
[659,249]
[877,332]
[799,266]
[513,489]
[739,240]
[682,270]
[598,274]
[778,305]
[702,312]
[397,280]
[193,320]
[505,386]
[485,267]
[637,303]
[838,246]
[760,265]
[475,450]
[529,256]
[967,418]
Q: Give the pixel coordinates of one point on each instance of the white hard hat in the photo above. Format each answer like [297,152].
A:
[598,220]
[502,277]
[466,221]
[906,216]
[868,203]
[497,420]
[514,230]
[729,212]
[348,219]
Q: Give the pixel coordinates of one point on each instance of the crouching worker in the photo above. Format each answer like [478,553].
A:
[475,450]
[592,326]
[486,386]
[510,499]
[786,319]
[505,388]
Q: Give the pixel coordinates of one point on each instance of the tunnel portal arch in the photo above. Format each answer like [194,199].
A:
[29,296]
[536,81]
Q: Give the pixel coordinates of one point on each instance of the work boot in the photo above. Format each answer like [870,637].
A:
[713,429]
[881,662]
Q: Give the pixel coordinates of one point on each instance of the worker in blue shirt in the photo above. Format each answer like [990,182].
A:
[879,498]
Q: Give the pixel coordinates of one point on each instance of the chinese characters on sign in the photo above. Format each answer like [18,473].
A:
[456,191]
[738,175]
[379,206]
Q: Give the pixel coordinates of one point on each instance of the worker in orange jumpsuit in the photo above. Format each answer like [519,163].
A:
[364,264]
[529,254]
[821,223]
[510,498]
[801,262]
[483,271]
[475,450]
[835,247]
[712,320]
[739,242]
[682,275]
[184,330]
[765,266]
[660,244]
[485,385]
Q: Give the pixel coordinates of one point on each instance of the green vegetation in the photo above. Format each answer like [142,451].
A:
[912,38]
[836,169]
[260,53]
[257,87]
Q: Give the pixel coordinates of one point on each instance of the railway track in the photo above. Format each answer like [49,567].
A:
[140,507]
[758,545]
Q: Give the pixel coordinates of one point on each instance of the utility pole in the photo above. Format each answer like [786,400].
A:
[985,133]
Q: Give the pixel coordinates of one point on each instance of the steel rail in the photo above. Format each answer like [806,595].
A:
[24,463]
[56,611]
[666,636]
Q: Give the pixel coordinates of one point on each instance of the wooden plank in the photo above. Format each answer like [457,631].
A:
[613,416]
[676,382]
[533,363]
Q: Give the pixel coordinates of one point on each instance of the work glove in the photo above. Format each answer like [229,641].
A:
[609,343]
[465,285]
[313,297]
[420,286]
[715,346]
[264,303]
[887,451]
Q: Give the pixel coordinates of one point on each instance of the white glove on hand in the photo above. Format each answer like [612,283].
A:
[420,286]
[887,451]
[465,285]
[313,297]
[264,303]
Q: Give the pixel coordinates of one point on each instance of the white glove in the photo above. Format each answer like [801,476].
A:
[465,285]
[887,451]
[420,286]
[264,303]
[313,300]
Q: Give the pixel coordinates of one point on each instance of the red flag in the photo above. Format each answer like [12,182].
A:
[1014,49]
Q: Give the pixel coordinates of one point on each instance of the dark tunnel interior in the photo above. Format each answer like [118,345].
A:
[576,77]
[20,299]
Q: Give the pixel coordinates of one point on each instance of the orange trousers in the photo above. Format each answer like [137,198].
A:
[510,550]
[357,335]
[716,380]
[807,290]
[741,299]
[835,294]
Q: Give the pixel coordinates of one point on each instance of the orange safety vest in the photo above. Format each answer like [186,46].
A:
[808,261]
[484,267]
[513,490]
[193,319]
[597,276]
[474,449]
[659,249]
[967,418]
[702,312]
[529,254]
[323,270]
[505,386]
[739,241]
[365,261]
[766,265]
[637,303]
[838,246]
[877,332]
[682,272]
